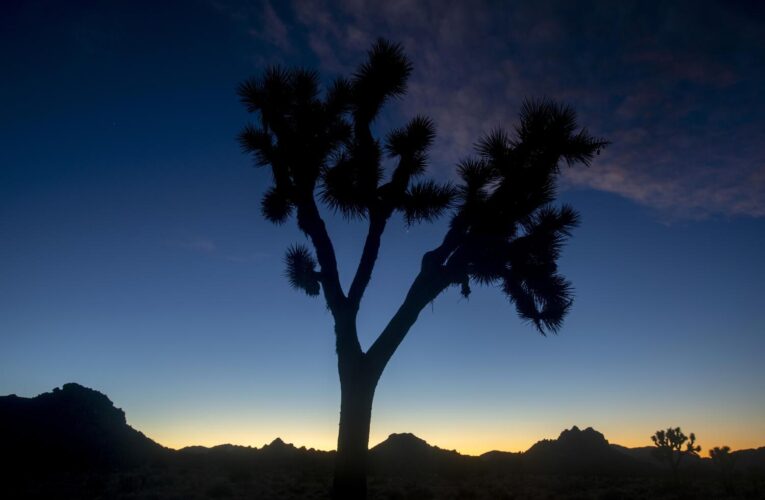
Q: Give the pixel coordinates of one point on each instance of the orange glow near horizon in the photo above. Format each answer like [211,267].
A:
[466,445]
[451,427]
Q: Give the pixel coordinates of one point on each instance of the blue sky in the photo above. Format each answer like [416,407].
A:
[135,260]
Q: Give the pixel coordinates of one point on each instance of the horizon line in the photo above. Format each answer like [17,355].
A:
[469,454]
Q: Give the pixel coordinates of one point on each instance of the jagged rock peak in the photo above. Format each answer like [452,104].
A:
[588,434]
[279,443]
[405,442]
[86,402]
[73,389]
[406,437]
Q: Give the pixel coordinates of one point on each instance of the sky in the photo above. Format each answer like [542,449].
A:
[134,259]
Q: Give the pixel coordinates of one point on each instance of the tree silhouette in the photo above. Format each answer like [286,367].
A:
[669,447]
[503,231]
[725,463]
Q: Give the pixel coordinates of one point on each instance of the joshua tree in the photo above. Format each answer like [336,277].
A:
[669,447]
[504,230]
[725,463]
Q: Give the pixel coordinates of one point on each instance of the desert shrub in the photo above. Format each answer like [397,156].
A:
[220,489]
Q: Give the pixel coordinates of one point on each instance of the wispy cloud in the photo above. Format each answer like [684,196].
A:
[261,20]
[272,28]
[710,192]
[247,258]
[208,247]
[679,100]
[201,245]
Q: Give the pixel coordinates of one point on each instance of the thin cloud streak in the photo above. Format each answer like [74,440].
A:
[670,106]
[201,245]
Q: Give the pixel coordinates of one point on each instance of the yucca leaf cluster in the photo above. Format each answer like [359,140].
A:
[504,228]
[507,231]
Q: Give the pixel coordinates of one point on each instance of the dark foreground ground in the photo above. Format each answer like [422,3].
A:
[151,483]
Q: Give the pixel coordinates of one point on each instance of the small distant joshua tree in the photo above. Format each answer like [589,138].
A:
[669,447]
[725,463]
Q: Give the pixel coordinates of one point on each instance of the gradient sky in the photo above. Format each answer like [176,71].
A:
[134,260]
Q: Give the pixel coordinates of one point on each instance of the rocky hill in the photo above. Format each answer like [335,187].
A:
[71,428]
[579,451]
[75,428]
[406,454]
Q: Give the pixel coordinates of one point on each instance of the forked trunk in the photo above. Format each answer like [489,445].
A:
[350,482]
[359,373]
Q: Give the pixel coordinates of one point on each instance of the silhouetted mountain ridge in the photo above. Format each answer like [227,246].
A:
[76,427]
[579,452]
[71,427]
[407,454]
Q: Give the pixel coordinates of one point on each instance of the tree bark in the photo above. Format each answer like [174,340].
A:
[357,392]
[359,373]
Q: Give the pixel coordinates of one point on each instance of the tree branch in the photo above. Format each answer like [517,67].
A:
[311,223]
[425,288]
[379,213]
[347,343]
[452,240]
[369,255]
[432,279]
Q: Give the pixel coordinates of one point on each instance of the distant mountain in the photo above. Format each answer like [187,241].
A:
[76,428]
[409,447]
[406,454]
[580,452]
[503,461]
[73,444]
[70,428]
[244,460]
[750,459]
[698,464]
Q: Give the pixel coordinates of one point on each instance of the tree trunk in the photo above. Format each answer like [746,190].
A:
[359,374]
[357,392]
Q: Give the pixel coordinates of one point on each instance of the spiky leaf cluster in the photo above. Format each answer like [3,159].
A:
[426,201]
[422,201]
[298,130]
[352,184]
[276,206]
[301,270]
[504,230]
[382,76]
[510,234]
[323,141]
[412,140]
